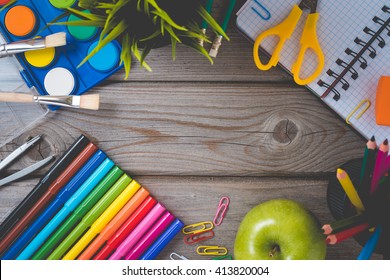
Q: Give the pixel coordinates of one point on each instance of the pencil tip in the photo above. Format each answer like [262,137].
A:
[372,138]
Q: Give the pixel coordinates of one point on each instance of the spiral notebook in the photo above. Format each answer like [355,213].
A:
[354,36]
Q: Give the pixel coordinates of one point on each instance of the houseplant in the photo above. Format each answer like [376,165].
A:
[141,25]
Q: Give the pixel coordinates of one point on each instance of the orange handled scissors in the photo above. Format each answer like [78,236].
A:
[308,41]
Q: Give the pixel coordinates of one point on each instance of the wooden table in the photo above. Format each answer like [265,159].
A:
[192,132]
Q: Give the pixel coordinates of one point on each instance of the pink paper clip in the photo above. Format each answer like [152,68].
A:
[221,211]
[197,237]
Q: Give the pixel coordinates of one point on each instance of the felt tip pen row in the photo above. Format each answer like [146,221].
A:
[91,209]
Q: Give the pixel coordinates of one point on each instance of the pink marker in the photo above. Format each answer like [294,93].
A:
[150,236]
[130,241]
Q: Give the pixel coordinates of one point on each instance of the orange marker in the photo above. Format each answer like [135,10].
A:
[115,224]
[382,102]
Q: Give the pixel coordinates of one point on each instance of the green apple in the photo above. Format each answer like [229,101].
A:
[279,229]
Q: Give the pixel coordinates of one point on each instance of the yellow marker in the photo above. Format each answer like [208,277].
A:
[103,220]
[349,189]
[40,58]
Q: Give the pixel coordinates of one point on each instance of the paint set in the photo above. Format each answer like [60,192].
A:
[55,71]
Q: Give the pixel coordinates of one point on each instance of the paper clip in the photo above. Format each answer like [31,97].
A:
[264,9]
[197,237]
[368,104]
[226,257]
[176,257]
[221,211]
[198,227]
[211,250]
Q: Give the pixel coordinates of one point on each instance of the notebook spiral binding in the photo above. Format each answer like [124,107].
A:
[357,57]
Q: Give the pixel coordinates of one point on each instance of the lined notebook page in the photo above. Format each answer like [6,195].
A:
[340,22]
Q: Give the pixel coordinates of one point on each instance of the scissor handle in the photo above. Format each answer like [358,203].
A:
[309,41]
[283,30]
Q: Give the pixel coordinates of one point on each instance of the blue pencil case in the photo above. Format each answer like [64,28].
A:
[55,71]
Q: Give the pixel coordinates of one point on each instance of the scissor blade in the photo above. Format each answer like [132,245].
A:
[25,171]
[15,154]
[309,4]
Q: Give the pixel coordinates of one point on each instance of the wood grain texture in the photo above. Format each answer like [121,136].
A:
[195,199]
[210,129]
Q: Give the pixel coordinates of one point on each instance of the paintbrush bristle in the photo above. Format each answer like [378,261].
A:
[90,101]
[55,40]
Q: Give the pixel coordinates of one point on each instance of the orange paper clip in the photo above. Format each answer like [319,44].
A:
[211,250]
[197,237]
[221,211]
[198,227]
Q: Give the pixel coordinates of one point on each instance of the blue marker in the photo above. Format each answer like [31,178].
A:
[68,208]
[70,188]
[163,240]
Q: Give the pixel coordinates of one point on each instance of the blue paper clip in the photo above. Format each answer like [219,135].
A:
[264,9]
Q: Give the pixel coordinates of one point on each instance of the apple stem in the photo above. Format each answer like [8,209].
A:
[275,249]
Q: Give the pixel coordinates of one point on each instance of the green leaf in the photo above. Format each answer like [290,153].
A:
[163,15]
[194,45]
[154,35]
[126,57]
[8,4]
[134,49]
[81,23]
[211,21]
[83,15]
[171,32]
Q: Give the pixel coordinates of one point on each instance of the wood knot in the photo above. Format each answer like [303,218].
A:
[285,131]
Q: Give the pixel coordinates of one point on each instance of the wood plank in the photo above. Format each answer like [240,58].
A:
[195,199]
[207,129]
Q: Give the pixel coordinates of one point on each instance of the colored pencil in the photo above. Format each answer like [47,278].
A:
[345,234]
[163,240]
[126,228]
[78,213]
[52,191]
[208,6]
[343,224]
[103,220]
[91,217]
[368,158]
[370,245]
[43,185]
[69,206]
[349,189]
[150,236]
[380,163]
[115,224]
[56,204]
[130,241]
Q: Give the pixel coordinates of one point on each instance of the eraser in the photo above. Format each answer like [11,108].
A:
[382,103]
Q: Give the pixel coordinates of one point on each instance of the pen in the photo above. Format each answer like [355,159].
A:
[90,217]
[209,5]
[69,206]
[115,224]
[149,237]
[163,240]
[54,206]
[78,213]
[56,169]
[138,232]
[103,220]
[54,188]
[126,228]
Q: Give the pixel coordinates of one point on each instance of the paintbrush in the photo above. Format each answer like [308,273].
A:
[87,101]
[51,41]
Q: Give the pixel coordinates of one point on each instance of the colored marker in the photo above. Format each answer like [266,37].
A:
[115,224]
[90,217]
[103,220]
[130,241]
[54,188]
[153,233]
[43,185]
[79,213]
[54,206]
[126,228]
[69,206]
[163,240]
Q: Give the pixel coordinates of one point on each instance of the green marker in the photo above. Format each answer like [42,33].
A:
[90,217]
[209,5]
[79,213]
